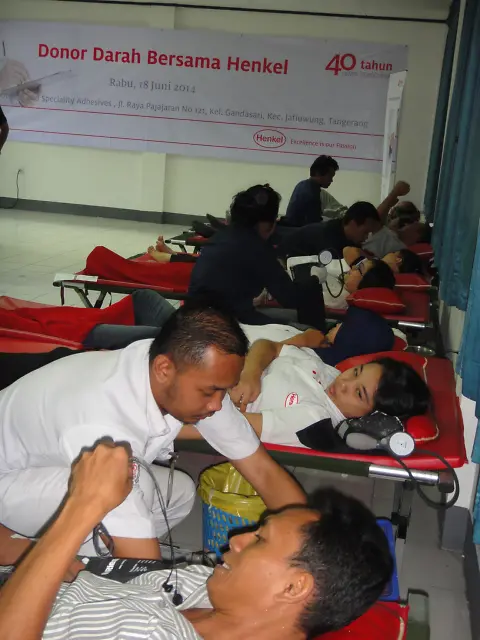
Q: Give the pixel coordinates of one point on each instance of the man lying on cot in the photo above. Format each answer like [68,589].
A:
[304,570]
[285,387]
[141,395]
[362,332]
[357,271]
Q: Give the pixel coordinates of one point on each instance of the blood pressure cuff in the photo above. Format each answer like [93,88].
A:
[361,434]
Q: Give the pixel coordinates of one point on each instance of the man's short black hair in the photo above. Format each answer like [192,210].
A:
[322,165]
[360,212]
[259,203]
[380,276]
[348,556]
[195,327]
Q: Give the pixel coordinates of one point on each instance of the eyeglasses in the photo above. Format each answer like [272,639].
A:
[361,266]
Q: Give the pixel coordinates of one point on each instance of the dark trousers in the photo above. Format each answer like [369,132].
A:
[151,312]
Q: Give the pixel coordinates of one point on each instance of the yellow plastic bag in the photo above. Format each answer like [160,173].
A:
[225,488]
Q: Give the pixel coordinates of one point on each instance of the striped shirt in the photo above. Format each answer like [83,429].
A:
[95,608]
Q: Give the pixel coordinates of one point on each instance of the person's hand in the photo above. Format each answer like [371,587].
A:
[311,338]
[101,479]
[12,74]
[401,188]
[332,334]
[247,390]
[261,300]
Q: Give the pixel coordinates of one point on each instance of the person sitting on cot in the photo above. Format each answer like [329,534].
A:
[286,387]
[302,571]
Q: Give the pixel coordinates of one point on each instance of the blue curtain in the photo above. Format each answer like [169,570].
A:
[468,366]
[457,209]
[438,136]
[456,214]
[453,203]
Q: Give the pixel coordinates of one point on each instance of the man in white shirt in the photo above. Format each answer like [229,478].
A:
[141,395]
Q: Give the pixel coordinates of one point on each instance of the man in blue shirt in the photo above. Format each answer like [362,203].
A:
[305,204]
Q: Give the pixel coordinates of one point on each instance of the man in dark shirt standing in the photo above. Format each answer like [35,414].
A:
[361,219]
[4,129]
[305,206]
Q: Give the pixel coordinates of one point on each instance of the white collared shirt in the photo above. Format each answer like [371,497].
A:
[294,387]
[48,416]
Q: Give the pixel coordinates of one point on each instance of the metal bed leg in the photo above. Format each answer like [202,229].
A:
[419,617]
[84,298]
[101,297]
[402,507]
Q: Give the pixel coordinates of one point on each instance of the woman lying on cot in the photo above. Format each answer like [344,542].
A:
[402,261]
[366,273]
[286,388]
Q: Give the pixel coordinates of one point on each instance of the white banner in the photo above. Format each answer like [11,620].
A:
[271,99]
[396,86]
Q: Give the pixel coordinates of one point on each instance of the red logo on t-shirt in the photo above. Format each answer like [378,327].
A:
[291,399]
[135,471]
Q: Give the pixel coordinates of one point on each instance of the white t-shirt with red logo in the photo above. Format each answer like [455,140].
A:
[293,393]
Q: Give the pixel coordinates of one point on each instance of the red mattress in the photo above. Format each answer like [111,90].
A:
[417,308]
[384,621]
[450,442]
[138,272]
[68,323]
[14,341]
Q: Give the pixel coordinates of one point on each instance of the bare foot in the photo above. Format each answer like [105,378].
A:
[158,256]
[162,247]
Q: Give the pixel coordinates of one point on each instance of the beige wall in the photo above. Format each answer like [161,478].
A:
[179,184]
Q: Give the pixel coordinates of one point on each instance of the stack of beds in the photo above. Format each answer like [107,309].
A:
[106,273]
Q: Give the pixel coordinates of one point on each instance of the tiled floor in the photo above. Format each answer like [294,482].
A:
[34,246]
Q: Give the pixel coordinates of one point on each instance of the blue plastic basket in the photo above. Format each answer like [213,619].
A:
[216,525]
[392,591]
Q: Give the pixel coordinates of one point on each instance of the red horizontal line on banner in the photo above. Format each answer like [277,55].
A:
[190,144]
[238,124]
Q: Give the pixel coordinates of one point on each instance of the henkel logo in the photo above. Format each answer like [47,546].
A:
[291,399]
[269,138]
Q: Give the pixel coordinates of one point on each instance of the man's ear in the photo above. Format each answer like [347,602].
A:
[298,589]
[163,368]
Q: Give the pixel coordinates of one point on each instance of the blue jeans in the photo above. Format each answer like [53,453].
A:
[151,311]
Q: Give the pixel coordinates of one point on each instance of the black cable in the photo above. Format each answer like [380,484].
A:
[12,206]
[100,531]
[342,277]
[177,597]
[432,503]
